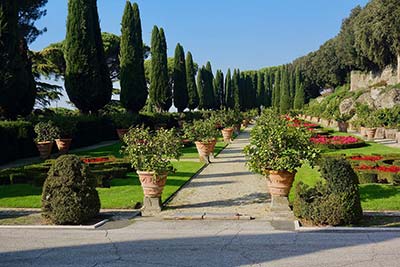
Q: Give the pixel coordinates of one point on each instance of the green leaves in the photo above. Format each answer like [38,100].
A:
[201,131]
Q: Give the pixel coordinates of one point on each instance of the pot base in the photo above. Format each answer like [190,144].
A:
[151,206]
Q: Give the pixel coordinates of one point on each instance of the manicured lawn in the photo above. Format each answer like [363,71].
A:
[124,193]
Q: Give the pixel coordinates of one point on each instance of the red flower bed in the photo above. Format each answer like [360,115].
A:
[97,160]
[392,169]
[336,140]
[367,158]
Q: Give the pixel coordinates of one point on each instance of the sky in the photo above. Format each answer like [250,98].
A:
[244,34]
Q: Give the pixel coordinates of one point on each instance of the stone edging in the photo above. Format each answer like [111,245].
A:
[300,228]
[57,227]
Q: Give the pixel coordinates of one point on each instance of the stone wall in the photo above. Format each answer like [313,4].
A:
[389,76]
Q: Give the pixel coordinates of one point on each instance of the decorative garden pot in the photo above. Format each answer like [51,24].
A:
[380,133]
[121,133]
[398,137]
[227,134]
[363,131]
[212,145]
[370,133]
[245,123]
[390,134]
[44,149]
[343,126]
[280,183]
[153,186]
[63,145]
[204,150]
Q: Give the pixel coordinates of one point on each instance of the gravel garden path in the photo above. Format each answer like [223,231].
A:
[224,187]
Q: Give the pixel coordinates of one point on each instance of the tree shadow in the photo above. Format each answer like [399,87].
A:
[12,214]
[222,175]
[376,191]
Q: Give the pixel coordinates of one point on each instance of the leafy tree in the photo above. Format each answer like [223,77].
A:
[133,82]
[180,81]
[87,79]
[160,90]
[17,85]
[193,96]
[229,95]
[30,11]
[219,89]
[284,106]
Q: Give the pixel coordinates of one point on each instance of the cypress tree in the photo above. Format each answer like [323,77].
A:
[253,87]
[132,78]
[285,92]
[229,98]
[276,93]
[261,98]
[17,85]
[210,102]
[219,89]
[236,89]
[160,91]
[87,78]
[299,96]
[193,96]
[201,88]
[179,78]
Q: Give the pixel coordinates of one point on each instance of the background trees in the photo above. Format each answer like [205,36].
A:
[193,96]
[87,79]
[179,79]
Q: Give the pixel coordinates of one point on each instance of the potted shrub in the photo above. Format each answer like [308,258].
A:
[67,128]
[229,120]
[204,134]
[122,123]
[150,153]
[342,121]
[277,150]
[371,123]
[46,133]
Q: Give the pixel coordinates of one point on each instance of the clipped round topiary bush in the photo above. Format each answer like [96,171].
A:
[69,193]
[333,202]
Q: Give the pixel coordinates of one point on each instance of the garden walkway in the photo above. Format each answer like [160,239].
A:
[224,187]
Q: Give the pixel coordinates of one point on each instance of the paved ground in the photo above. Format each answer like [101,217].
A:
[158,242]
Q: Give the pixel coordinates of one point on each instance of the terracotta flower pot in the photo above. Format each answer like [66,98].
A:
[152,186]
[204,150]
[121,133]
[343,126]
[212,146]
[63,145]
[227,134]
[370,133]
[280,182]
[363,131]
[44,149]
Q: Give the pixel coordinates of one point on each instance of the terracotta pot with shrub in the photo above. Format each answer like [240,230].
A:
[342,121]
[67,128]
[150,153]
[277,150]
[46,133]
[229,119]
[371,123]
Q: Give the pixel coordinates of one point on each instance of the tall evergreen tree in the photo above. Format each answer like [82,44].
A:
[229,96]
[87,78]
[236,89]
[299,96]
[160,91]
[292,85]
[285,92]
[132,78]
[180,82]
[209,87]
[261,97]
[268,94]
[17,85]
[219,89]
[276,90]
[201,88]
[193,96]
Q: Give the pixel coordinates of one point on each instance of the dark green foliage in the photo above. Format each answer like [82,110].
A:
[193,96]
[69,193]
[179,79]
[219,89]
[284,104]
[276,90]
[132,78]
[17,85]
[160,89]
[367,177]
[335,202]
[236,89]
[201,88]
[87,78]
[211,102]
[299,93]
[229,95]
[261,97]
[30,11]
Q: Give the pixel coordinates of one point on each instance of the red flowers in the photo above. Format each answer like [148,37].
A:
[392,169]
[367,158]
[97,160]
[334,140]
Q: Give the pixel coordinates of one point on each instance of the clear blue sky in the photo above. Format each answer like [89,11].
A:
[245,34]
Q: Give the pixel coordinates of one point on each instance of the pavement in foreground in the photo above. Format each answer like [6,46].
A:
[158,242]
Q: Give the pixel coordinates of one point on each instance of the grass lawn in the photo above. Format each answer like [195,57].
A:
[124,193]
[373,196]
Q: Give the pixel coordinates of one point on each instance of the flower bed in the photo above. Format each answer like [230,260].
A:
[337,142]
[367,158]
[98,160]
